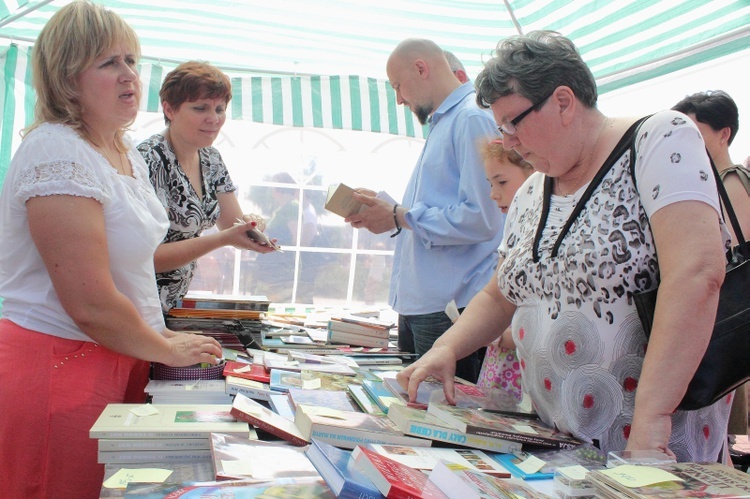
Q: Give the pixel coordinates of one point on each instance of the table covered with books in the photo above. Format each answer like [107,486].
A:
[303,408]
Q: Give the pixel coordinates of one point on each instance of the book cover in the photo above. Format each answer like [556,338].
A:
[708,480]
[335,399]
[341,473]
[293,365]
[425,458]
[299,488]
[255,372]
[245,409]
[364,401]
[123,444]
[281,405]
[456,480]
[420,423]
[340,200]
[152,456]
[382,396]
[237,458]
[310,358]
[357,339]
[282,380]
[166,421]
[393,479]
[518,429]
[249,388]
[348,429]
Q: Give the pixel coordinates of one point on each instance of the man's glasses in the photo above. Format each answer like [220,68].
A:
[511,127]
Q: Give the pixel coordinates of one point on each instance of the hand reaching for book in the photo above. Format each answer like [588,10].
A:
[189,349]
[440,363]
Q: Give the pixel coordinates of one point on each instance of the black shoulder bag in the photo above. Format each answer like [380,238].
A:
[726,363]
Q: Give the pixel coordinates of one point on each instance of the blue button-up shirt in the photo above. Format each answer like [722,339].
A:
[450,253]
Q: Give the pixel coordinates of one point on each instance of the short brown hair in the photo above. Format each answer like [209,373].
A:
[494,149]
[194,80]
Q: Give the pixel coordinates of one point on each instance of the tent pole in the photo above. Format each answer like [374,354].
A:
[23,12]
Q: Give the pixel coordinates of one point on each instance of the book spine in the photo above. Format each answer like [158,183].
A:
[153,456]
[253,393]
[273,430]
[357,339]
[456,437]
[351,438]
[153,444]
[522,438]
[346,327]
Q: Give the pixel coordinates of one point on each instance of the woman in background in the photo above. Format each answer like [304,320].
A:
[191,179]
[506,171]
[80,224]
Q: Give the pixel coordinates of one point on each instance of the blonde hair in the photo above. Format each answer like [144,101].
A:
[70,42]
[494,150]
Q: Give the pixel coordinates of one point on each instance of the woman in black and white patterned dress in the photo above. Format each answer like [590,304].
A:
[569,266]
[191,179]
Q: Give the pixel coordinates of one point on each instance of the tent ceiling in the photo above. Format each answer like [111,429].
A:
[624,41]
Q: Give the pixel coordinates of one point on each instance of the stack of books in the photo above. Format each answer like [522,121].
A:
[210,306]
[203,391]
[133,433]
[359,331]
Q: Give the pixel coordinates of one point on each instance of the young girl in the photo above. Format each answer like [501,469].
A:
[505,171]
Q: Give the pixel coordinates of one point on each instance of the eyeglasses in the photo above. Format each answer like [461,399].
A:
[511,127]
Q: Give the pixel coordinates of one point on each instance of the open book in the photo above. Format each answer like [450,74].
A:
[340,200]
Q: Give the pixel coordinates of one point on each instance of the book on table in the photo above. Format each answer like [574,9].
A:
[364,401]
[242,459]
[249,388]
[382,396]
[425,458]
[370,322]
[356,339]
[456,480]
[281,405]
[131,456]
[708,480]
[187,391]
[341,473]
[420,423]
[254,371]
[393,479]
[194,299]
[353,327]
[138,421]
[347,429]
[311,358]
[518,429]
[335,399]
[293,365]
[250,411]
[280,487]
[282,380]
[541,463]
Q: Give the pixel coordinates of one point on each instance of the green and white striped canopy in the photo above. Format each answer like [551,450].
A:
[321,63]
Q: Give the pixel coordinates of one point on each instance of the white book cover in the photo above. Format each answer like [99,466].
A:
[166,421]
[157,386]
[425,458]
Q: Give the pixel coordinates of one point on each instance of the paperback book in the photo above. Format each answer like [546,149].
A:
[307,488]
[393,479]
[335,399]
[226,302]
[282,380]
[425,458]
[708,480]
[293,365]
[340,200]
[518,429]
[456,481]
[382,396]
[254,371]
[364,401]
[249,388]
[152,456]
[345,478]
[250,411]
[242,459]
[166,421]
[356,339]
[420,423]
[347,429]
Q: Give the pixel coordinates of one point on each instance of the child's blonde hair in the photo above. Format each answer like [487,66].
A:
[494,150]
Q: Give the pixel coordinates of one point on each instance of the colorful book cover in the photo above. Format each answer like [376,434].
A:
[393,479]
[255,372]
[249,388]
[282,380]
[341,473]
[335,399]
[420,423]
[245,409]
[518,429]
[425,458]
[348,429]
[456,480]
[382,396]
[512,462]
[364,401]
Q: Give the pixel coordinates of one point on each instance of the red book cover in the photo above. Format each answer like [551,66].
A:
[393,479]
[255,372]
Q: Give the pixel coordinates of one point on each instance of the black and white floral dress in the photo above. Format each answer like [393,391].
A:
[577,332]
[189,215]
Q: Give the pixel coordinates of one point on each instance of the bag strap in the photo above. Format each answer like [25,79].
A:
[627,141]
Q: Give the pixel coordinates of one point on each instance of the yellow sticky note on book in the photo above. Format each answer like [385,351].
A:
[124,476]
[631,475]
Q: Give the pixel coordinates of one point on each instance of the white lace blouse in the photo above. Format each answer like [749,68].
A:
[54,160]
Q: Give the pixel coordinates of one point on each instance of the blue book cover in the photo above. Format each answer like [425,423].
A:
[341,473]
[380,394]
[511,463]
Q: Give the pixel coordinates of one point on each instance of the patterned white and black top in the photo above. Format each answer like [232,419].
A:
[189,215]
[576,328]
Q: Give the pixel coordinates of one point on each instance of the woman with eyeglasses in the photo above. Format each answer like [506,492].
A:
[617,206]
